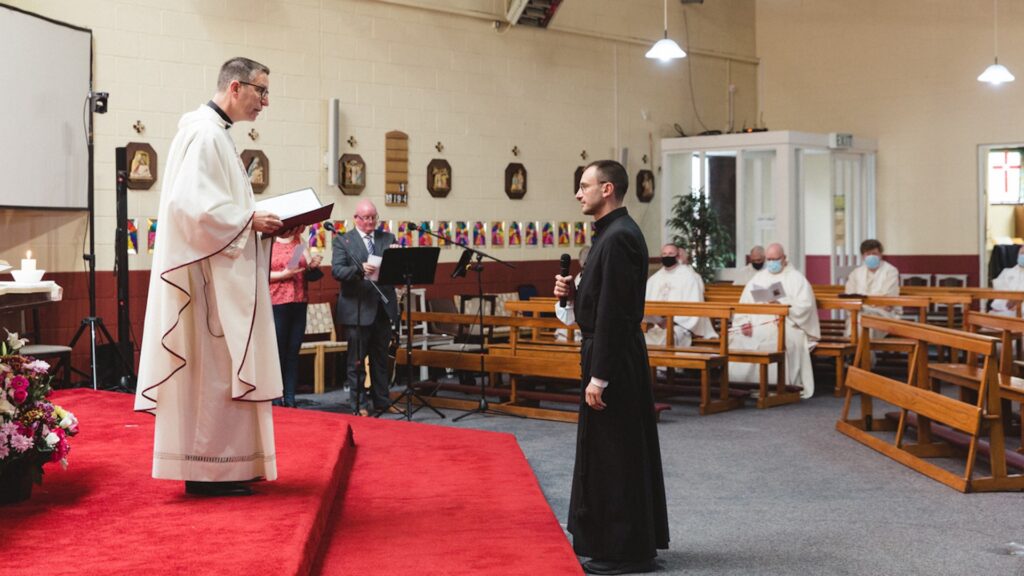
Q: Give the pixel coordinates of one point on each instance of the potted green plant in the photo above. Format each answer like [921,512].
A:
[697,228]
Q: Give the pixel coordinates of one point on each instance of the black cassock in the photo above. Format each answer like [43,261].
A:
[617,510]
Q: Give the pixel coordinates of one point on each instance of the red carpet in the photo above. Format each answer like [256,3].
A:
[421,499]
[426,499]
[106,515]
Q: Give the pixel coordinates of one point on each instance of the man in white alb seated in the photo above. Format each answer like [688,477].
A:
[759,332]
[1009,279]
[755,262]
[875,277]
[676,281]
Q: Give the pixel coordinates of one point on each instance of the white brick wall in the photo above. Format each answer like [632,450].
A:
[435,75]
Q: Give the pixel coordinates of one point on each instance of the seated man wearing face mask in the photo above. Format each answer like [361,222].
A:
[759,332]
[1009,279]
[676,282]
[875,277]
[755,263]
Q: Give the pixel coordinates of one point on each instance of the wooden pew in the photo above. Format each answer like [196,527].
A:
[915,397]
[968,374]
[705,361]
[842,345]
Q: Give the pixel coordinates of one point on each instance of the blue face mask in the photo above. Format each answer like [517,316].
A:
[1020,260]
[773,266]
[873,261]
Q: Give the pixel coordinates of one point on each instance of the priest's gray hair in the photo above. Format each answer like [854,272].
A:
[241,69]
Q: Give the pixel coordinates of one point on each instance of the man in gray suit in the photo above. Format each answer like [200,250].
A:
[368,321]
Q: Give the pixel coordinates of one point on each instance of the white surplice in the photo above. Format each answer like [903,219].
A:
[802,330]
[681,283]
[1009,279]
[209,366]
[884,281]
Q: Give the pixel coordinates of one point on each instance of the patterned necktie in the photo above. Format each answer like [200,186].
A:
[369,243]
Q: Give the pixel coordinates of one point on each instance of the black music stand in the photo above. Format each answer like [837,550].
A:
[409,266]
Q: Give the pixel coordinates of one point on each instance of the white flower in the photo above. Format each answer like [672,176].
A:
[14,343]
[52,439]
[6,408]
[67,422]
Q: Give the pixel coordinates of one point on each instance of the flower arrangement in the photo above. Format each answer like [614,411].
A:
[33,431]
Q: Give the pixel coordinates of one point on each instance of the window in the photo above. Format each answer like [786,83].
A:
[1004,177]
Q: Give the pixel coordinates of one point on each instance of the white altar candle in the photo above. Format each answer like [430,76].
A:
[28,263]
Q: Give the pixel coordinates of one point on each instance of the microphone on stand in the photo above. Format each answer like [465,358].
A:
[564,271]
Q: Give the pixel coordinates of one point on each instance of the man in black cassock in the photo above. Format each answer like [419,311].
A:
[617,511]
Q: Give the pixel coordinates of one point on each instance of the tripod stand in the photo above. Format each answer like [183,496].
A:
[482,407]
[92,321]
[412,265]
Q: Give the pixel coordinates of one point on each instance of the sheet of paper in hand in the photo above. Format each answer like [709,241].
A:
[299,208]
[772,293]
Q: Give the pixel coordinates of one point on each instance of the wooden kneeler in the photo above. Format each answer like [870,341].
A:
[916,396]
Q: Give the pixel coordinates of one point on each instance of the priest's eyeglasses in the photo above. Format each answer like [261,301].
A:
[263,91]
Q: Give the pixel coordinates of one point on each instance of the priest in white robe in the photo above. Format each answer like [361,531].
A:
[1009,279]
[209,368]
[755,262]
[759,332]
[676,281]
[875,277]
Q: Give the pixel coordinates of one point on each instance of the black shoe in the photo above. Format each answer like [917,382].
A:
[620,567]
[217,489]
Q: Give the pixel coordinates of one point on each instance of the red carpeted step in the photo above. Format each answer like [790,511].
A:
[106,515]
[427,499]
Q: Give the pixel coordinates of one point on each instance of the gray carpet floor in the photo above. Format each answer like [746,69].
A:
[780,492]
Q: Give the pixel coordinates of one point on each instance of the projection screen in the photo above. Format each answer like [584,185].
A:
[45,78]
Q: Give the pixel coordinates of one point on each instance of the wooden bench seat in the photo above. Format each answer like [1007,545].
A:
[916,397]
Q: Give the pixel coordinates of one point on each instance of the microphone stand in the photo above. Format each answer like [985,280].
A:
[482,407]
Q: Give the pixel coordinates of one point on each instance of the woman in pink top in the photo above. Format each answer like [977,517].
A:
[289,293]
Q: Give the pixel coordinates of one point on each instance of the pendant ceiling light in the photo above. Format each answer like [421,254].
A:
[665,49]
[996,74]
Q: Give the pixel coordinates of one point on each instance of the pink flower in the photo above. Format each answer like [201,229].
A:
[19,396]
[19,383]
[21,443]
[38,366]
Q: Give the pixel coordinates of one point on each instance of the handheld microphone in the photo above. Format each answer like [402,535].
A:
[564,271]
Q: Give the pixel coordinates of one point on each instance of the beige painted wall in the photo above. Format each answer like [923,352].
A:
[435,69]
[905,73]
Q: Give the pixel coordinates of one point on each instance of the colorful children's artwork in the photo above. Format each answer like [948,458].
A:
[133,235]
[404,234]
[444,229]
[340,227]
[150,234]
[317,236]
[461,233]
[425,238]
[579,233]
[385,225]
[563,234]
[479,233]
[497,234]
[547,234]
[531,234]
[515,234]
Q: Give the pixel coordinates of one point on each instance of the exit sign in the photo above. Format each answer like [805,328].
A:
[840,140]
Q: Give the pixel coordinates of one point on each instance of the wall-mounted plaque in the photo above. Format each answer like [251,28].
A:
[352,174]
[258,168]
[645,185]
[439,178]
[141,165]
[396,169]
[515,181]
